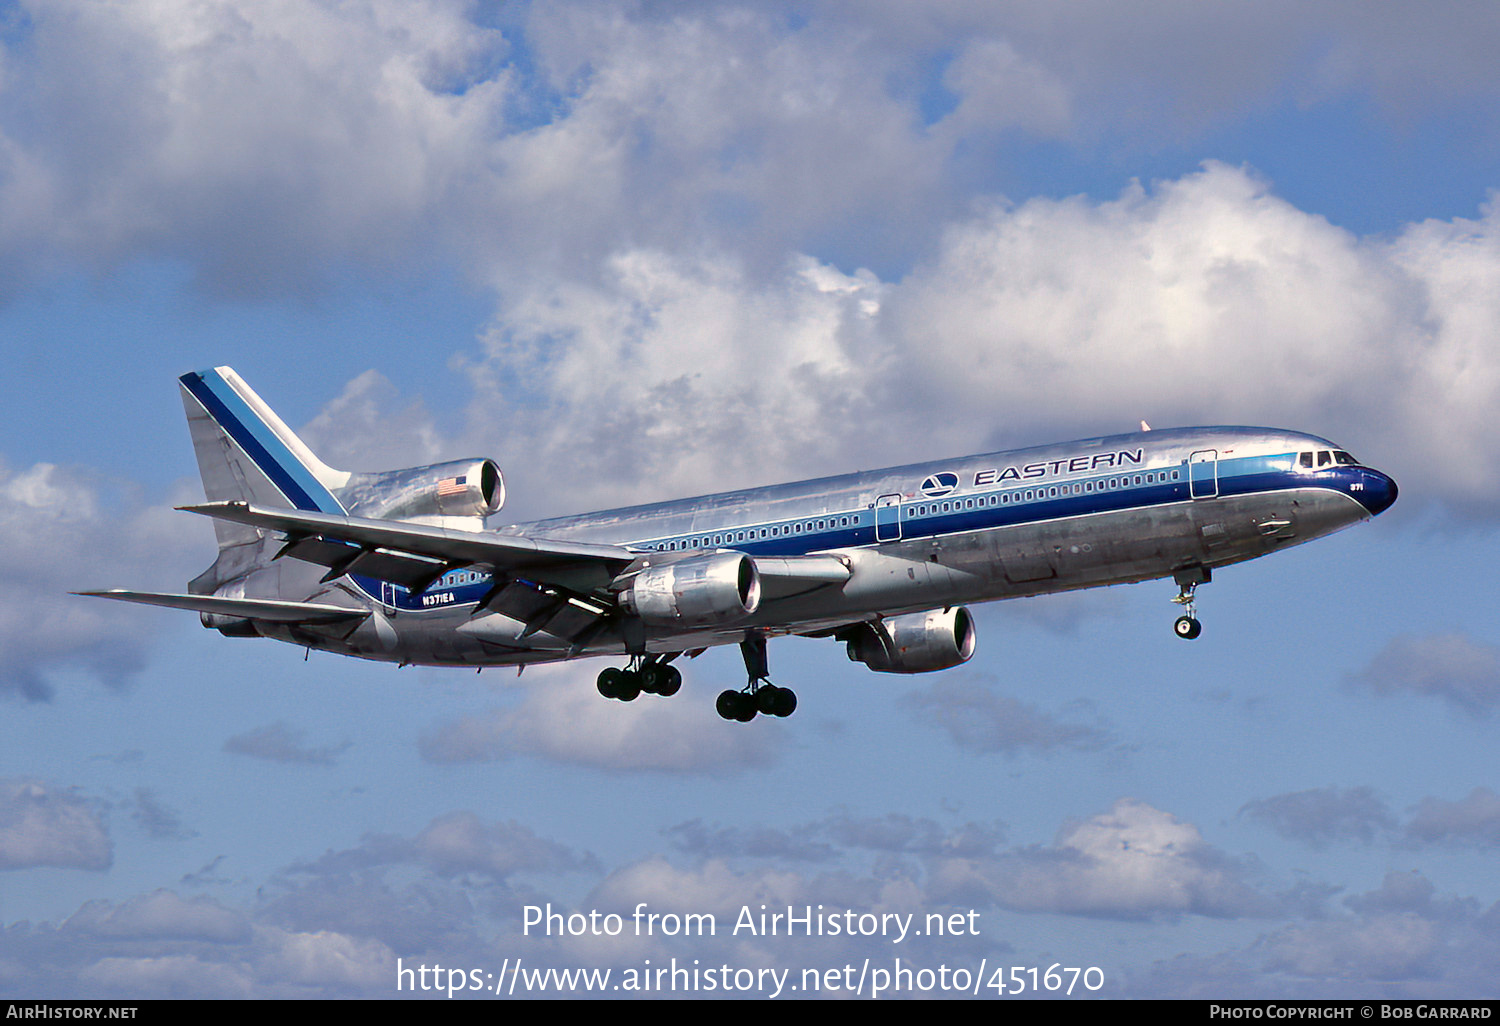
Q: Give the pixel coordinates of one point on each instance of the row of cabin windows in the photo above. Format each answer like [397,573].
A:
[993,499]
[1032,494]
[754,533]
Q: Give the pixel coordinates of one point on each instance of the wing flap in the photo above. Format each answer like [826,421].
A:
[250,609]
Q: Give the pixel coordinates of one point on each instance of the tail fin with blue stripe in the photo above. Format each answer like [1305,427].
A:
[246,452]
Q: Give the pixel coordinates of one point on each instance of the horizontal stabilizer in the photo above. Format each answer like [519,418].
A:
[249,609]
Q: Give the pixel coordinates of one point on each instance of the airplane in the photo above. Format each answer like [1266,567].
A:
[399,565]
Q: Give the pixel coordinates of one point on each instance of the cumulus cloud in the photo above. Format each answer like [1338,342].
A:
[562,718]
[1400,931]
[1133,862]
[1324,815]
[1329,815]
[42,825]
[833,837]
[1204,299]
[59,533]
[162,915]
[982,720]
[1454,668]
[1474,820]
[159,117]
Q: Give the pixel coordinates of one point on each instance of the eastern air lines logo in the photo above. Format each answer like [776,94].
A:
[939,485]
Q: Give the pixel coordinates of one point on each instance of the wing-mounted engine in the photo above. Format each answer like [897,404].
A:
[915,642]
[461,488]
[703,591]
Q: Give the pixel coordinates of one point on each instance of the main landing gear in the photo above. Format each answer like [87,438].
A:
[759,695]
[645,674]
[1187,625]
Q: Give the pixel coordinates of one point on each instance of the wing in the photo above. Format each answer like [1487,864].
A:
[566,588]
[415,555]
[250,609]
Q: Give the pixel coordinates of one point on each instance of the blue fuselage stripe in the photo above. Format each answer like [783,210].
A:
[1242,476]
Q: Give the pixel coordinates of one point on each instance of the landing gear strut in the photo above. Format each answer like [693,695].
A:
[759,695]
[651,675]
[1187,625]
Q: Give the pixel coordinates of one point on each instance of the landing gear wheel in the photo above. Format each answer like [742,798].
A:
[728,704]
[609,682]
[629,688]
[785,704]
[765,699]
[1187,627]
[745,711]
[651,676]
[668,681]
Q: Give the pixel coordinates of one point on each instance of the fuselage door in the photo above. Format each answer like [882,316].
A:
[1203,474]
[888,518]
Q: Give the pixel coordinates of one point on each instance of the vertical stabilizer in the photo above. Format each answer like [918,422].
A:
[246,452]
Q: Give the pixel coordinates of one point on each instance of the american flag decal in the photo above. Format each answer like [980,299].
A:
[451,485]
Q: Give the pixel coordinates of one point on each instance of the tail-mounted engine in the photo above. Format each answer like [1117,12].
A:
[915,642]
[704,591]
[462,488]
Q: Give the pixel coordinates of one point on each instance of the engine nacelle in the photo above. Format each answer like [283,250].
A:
[916,642]
[461,488]
[703,591]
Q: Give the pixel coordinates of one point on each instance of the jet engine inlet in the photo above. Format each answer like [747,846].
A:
[702,591]
[916,642]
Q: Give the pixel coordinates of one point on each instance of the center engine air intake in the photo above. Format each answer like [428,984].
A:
[462,488]
[700,592]
[915,642]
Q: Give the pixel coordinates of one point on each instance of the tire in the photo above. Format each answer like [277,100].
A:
[1187,628]
[630,686]
[609,682]
[786,702]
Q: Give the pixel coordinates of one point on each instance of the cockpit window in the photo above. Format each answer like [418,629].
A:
[1325,458]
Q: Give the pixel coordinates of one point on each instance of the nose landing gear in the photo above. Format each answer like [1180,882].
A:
[1187,625]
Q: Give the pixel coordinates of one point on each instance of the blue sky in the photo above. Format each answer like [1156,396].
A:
[642,251]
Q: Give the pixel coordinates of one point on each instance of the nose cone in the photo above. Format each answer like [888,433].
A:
[1378,493]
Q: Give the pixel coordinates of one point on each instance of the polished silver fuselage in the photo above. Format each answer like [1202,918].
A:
[1003,525]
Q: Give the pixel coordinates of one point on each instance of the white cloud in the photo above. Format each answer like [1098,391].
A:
[58,535]
[1133,862]
[1471,820]
[162,915]
[1326,814]
[563,718]
[981,719]
[326,959]
[1207,299]
[41,825]
[1451,667]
